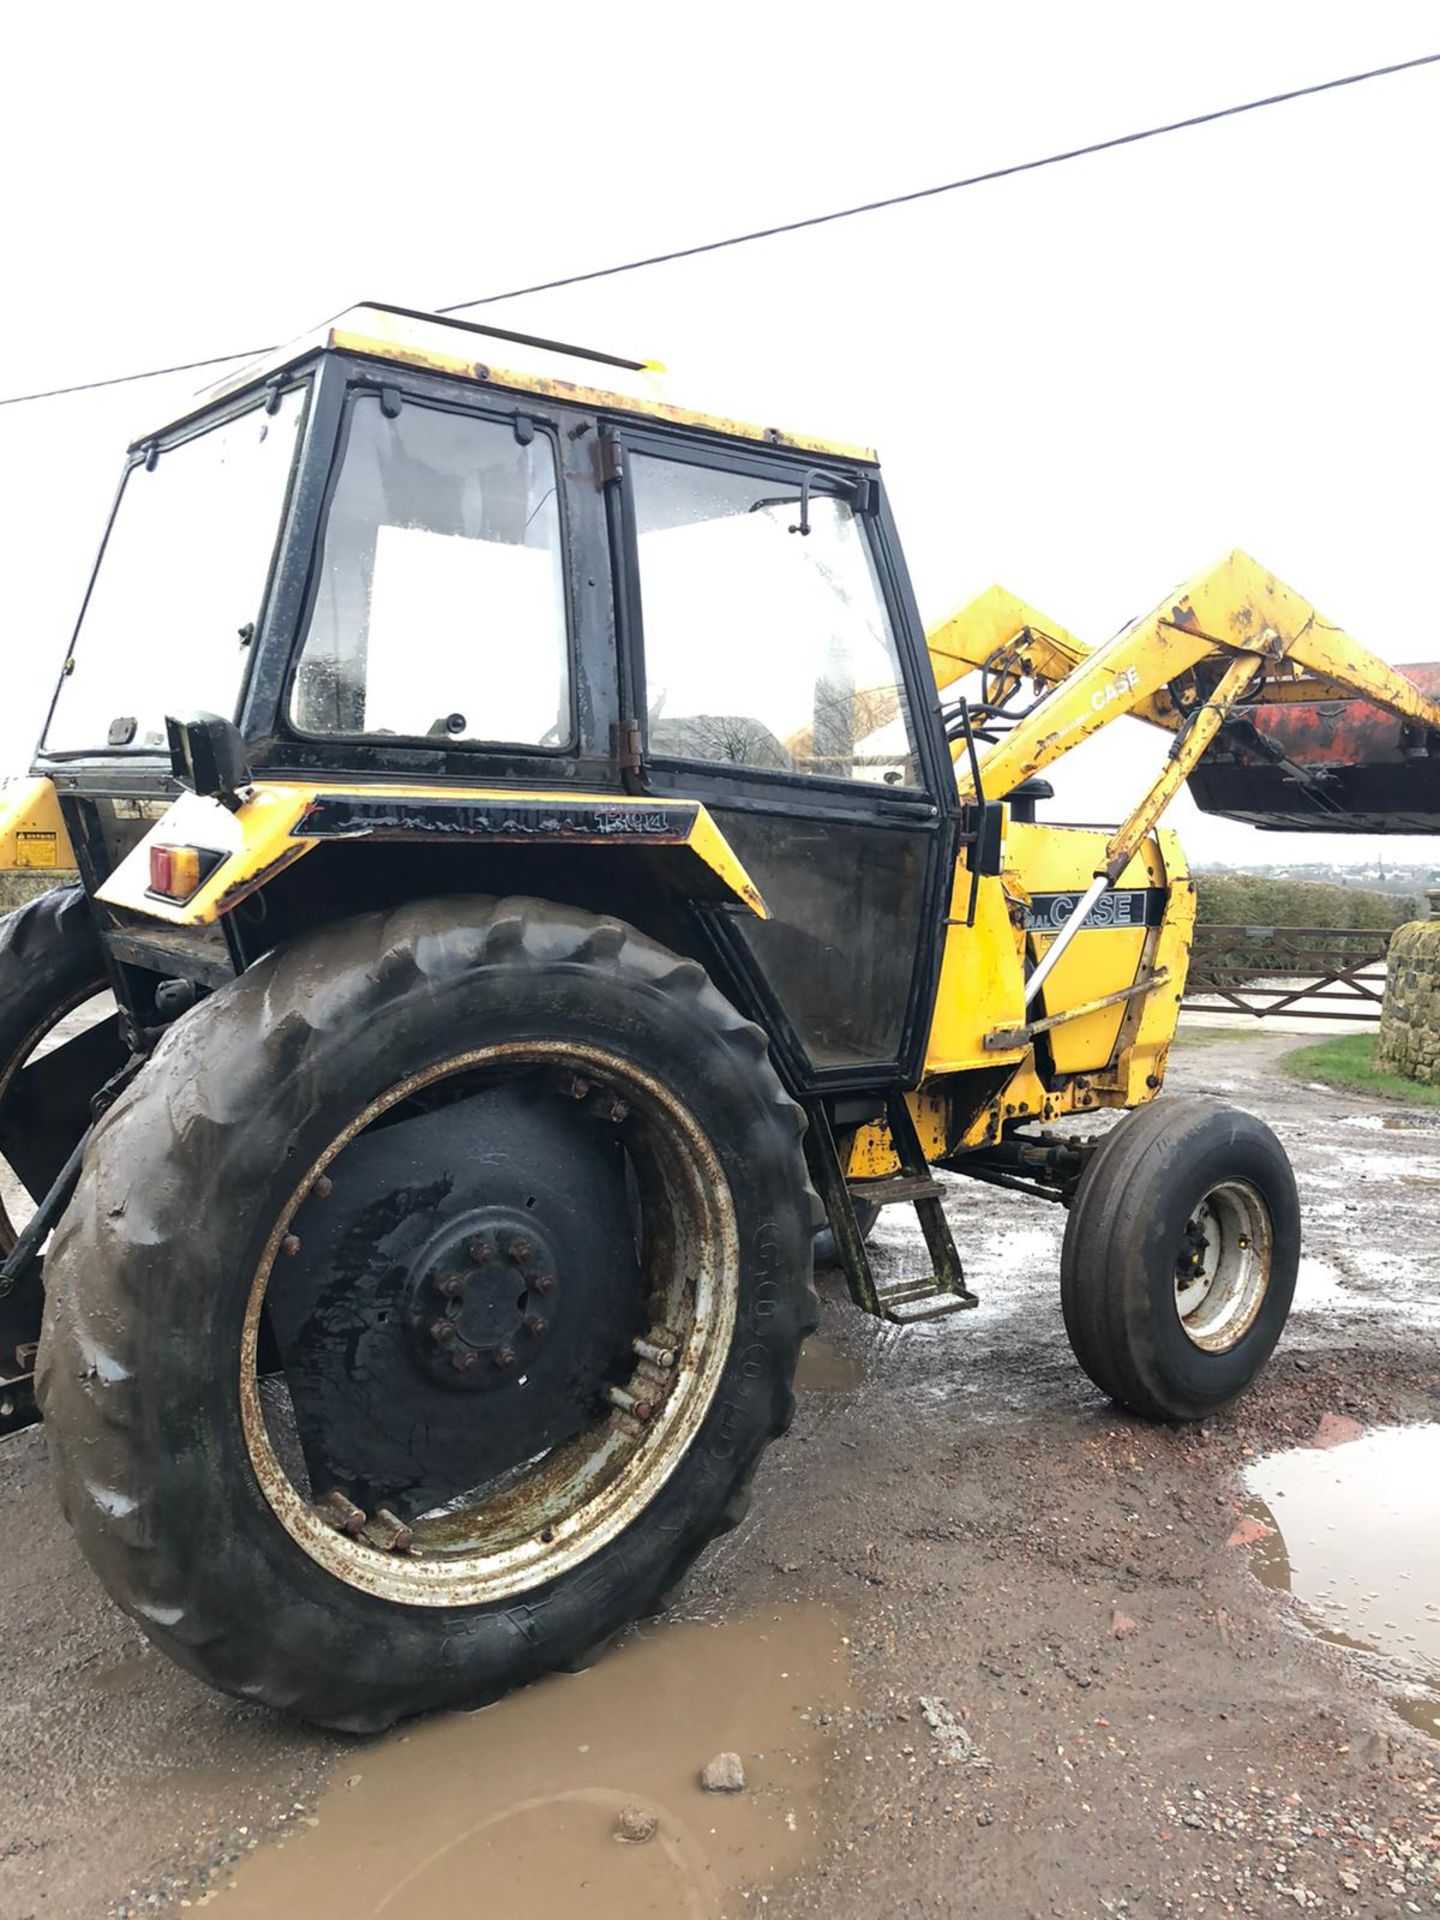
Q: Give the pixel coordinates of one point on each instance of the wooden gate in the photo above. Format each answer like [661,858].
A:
[1322,973]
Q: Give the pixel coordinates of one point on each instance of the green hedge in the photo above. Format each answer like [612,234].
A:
[1253,900]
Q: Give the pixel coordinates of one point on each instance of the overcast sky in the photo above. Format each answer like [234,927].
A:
[1087,383]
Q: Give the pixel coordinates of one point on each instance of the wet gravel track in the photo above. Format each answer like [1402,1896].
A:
[1162,1736]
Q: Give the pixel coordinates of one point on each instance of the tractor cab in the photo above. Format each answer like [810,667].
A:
[447,588]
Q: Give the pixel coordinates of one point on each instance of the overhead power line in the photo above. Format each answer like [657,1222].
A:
[954,186]
[812,220]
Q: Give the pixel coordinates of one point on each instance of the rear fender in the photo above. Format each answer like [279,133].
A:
[32,833]
[279,823]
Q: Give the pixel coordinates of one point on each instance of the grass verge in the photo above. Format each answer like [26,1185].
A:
[1190,1034]
[1350,1062]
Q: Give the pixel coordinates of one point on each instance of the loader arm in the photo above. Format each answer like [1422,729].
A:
[1230,607]
[1235,614]
[1232,636]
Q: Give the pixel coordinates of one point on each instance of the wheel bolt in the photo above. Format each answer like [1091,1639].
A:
[290,1245]
[323,1187]
[542,1283]
[343,1512]
[480,1253]
[452,1285]
[442,1331]
[464,1358]
[537,1324]
[505,1359]
[522,1252]
[657,1356]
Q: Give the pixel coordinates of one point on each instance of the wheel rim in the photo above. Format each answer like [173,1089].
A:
[1222,1272]
[561,1508]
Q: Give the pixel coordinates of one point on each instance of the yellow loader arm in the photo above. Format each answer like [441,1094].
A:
[1235,634]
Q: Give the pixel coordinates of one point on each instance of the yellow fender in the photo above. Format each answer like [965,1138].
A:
[280,822]
[32,832]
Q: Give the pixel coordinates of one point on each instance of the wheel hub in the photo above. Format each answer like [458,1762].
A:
[483,1300]
[459,1297]
[1222,1269]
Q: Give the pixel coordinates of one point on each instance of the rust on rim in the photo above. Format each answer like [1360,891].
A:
[565,1507]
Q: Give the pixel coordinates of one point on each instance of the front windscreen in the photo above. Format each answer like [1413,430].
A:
[180,584]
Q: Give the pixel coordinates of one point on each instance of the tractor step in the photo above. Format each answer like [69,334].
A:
[910,1301]
[928,1296]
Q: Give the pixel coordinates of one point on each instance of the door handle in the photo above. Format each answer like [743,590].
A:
[907,809]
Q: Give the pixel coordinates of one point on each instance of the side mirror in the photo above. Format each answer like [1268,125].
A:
[989,838]
[207,754]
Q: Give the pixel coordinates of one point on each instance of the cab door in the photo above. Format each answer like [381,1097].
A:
[778,672]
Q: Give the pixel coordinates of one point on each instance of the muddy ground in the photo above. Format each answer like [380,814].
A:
[1143,1728]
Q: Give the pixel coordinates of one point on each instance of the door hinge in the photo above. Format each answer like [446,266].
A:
[627,750]
[610,457]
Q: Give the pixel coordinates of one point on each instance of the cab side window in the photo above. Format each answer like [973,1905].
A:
[767,640]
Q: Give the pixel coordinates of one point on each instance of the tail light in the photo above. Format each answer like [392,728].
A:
[177,872]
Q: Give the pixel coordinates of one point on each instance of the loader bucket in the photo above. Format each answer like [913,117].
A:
[1337,766]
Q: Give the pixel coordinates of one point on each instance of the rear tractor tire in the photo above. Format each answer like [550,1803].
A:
[1180,1257]
[50,965]
[827,1253]
[425,1306]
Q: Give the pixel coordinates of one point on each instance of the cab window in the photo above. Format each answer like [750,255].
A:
[768,644]
[439,610]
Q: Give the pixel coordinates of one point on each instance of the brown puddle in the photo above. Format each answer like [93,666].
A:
[1357,1542]
[824,1369]
[513,1809]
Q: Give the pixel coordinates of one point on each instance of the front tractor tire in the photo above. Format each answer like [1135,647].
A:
[1180,1257]
[425,1306]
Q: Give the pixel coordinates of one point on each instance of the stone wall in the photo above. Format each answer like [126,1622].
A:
[1410,1029]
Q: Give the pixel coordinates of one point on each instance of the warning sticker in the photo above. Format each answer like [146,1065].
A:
[37,849]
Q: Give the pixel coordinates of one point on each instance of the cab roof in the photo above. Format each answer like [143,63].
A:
[522,363]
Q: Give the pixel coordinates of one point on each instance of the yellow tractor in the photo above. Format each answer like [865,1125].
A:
[534,873]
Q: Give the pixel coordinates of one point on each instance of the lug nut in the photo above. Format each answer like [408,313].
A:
[323,1187]
[343,1512]
[537,1324]
[627,1403]
[442,1331]
[463,1359]
[480,1253]
[397,1537]
[452,1285]
[522,1252]
[657,1356]
[505,1359]
[542,1283]
[290,1245]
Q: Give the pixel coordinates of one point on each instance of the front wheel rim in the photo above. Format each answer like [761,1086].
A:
[586,1496]
[1224,1266]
